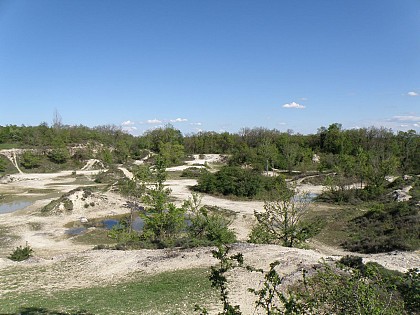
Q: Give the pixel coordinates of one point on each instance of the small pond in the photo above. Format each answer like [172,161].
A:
[76,231]
[13,206]
[108,224]
[137,224]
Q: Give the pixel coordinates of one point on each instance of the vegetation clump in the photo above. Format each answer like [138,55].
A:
[384,228]
[348,287]
[64,203]
[21,253]
[239,182]
[165,224]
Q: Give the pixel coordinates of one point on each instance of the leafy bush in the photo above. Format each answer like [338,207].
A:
[21,253]
[281,222]
[30,160]
[59,155]
[236,181]
[210,228]
[385,227]
[349,291]
[327,289]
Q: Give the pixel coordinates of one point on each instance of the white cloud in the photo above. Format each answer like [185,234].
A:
[130,128]
[196,124]
[153,121]
[405,118]
[293,105]
[127,123]
[178,120]
[412,93]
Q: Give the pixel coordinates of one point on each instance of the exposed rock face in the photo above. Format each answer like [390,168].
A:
[402,194]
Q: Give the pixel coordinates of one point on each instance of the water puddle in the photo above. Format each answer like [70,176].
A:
[14,206]
[76,231]
[136,225]
[110,223]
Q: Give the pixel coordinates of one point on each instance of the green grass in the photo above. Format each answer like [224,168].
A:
[165,293]
[336,219]
[95,237]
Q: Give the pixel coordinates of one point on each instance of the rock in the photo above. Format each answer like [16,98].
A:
[83,220]
[400,195]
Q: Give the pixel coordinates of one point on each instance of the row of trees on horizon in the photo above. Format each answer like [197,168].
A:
[258,147]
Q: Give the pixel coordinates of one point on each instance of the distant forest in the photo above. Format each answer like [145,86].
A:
[259,148]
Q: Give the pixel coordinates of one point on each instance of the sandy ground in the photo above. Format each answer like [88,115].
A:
[66,264]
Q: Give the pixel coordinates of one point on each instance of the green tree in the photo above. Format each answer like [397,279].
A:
[163,220]
[106,156]
[281,220]
[171,153]
[377,170]
[121,152]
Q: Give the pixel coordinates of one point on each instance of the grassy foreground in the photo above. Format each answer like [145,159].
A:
[165,293]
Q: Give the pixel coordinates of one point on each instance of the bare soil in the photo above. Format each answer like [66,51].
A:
[60,263]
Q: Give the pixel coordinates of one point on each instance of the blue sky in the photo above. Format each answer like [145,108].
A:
[211,65]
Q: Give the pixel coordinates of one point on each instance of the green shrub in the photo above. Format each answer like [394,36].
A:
[236,181]
[21,253]
[59,155]
[210,228]
[384,228]
[260,235]
[30,160]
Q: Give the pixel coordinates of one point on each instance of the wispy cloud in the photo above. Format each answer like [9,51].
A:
[153,121]
[406,118]
[129,129]
[412,93]
[196,124]
[178,120]
[127,123]
[293,105]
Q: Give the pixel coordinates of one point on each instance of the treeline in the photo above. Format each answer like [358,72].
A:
[260,148]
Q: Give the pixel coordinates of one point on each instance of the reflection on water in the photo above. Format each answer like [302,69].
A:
[76,231]
[137,224]
[13,206]
[110,223]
